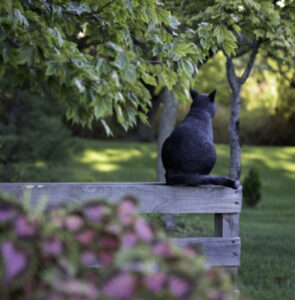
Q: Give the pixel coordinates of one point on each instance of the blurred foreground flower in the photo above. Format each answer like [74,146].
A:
[97,251]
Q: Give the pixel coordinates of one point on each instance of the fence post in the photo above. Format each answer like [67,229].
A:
[227,225]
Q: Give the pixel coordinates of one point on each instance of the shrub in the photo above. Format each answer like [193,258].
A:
[31,132]
[251,188]
[51,256]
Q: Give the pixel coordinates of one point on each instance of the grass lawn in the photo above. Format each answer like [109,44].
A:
[268,231]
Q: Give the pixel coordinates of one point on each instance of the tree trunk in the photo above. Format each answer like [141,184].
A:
[236,84]
[234,136]
[166,126]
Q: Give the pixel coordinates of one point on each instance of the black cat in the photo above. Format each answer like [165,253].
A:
[188,154]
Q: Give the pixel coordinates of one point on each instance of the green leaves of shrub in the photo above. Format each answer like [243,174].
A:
[252,188]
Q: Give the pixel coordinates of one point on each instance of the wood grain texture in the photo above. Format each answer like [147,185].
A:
[153,197]
[218,251]
[226,225]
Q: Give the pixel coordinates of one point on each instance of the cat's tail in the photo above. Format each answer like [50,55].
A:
[178,178]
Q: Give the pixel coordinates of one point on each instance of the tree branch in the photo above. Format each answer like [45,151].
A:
[13,42]
[247,71]
[230,72]
[106,5]
[154,62]
[139,40]
[241,52]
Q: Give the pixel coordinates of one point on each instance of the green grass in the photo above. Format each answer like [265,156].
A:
[268,231]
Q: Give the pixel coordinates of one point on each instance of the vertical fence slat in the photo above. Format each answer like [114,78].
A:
[227,225]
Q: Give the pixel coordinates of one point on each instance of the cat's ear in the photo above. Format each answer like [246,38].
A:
[212,95]
[194,93]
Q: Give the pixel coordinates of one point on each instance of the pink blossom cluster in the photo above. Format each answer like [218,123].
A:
[97,251]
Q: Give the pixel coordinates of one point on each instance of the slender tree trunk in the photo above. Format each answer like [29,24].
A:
[234,136]
[236,84]
[166,126]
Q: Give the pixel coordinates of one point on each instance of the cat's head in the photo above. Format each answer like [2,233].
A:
[204,101]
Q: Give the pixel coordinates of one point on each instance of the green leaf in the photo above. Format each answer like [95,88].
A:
[148,79]
[121,60]
[79,84]
[106,127]
[143,118]
[79,9]
[98,65]
[129,74]
[187,67]
[169,78]
[229,47]
[119,114]
[219,33]
[237,28]
[6,4]
[58,37]
[32,15]
[26,55]
[113,46]
[174,23]
[52,68]
[129,6]
[19,18]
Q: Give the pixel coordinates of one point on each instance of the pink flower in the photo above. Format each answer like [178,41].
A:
[143,230]
[127,211]
[95,212]
[121,286]
[105,257]
[74,223]
[6,214]
[162,249]
[88,258]
[189,251]
[116,229]
[109,241]
[77,289]
[86,237]
[23,227]
[155,282]
[129,240]
[15,261]
[52,246]
[178,286]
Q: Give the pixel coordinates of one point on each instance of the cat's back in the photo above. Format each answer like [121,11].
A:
[190,147]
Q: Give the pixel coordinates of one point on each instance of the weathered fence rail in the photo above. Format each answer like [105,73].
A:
[225,203]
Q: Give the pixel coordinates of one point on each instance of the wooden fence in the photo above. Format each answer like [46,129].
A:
[225,203]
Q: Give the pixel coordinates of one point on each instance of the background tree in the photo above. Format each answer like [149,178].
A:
[31,130]
[133,43]
[250,26]
[97,57]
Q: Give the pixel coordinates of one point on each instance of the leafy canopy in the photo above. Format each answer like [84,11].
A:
[129,44]
[238,23]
